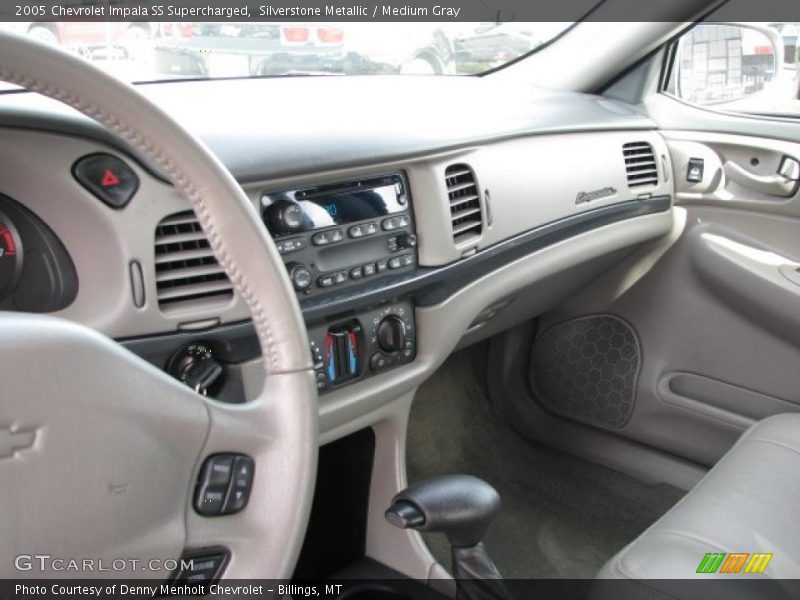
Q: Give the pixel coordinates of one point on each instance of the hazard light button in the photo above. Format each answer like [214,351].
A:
[107,177]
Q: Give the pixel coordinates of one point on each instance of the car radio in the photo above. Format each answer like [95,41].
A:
[339,235]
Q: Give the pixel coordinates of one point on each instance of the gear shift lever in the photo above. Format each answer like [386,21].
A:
[462,507]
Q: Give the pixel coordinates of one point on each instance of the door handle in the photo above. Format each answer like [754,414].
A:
[782,184]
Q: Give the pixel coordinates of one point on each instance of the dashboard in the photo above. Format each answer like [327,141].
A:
[411,219]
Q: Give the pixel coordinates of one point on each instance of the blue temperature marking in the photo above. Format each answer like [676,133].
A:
[353,362]
[331,368]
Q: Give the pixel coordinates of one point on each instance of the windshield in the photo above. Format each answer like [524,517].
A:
[145,51]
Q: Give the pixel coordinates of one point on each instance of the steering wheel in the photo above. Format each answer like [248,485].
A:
[100,452]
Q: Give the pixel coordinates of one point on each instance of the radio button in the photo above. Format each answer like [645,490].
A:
[356,273]
[381,266]
[395,222]
[369,269]
[357,231]
[408,260]
[326,281]
[293,245]
[340,277]
[405,240]
[395,262]
[371,228]
[300,275]
[321,239]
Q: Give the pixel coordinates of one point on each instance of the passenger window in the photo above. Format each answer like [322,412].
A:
[750,68]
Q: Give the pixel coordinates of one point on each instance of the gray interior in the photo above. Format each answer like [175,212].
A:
[593,351]
[562,516]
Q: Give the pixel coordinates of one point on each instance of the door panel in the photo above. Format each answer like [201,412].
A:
[739,171]
[716,315]
[718,351]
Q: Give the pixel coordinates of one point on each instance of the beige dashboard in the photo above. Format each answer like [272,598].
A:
[548,224]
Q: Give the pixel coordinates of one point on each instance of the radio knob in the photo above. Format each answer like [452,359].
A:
[300,275]
[284,217]
[406,240]
[392,334]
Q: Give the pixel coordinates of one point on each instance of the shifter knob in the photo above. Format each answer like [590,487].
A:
[461,506]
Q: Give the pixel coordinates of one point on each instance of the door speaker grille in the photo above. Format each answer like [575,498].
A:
[586,369]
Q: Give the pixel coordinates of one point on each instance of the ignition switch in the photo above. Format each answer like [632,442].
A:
[197,366]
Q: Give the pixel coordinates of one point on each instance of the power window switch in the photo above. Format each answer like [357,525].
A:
[694,170]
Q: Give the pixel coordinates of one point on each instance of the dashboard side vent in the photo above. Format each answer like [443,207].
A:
[640,164]
[465,203]
[186,268]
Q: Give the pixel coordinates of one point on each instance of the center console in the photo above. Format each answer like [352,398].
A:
[338,237]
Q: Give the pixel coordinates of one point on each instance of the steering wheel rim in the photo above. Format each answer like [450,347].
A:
[278,429]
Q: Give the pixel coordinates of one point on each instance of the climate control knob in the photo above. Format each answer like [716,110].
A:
[300,275]
[284,217]
[392,334]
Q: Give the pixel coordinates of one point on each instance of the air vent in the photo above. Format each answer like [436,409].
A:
[186,269]
[465,203]
[640,164]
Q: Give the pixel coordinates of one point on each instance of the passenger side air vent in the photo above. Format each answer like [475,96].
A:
[640,164]
[465,203]
[186,269]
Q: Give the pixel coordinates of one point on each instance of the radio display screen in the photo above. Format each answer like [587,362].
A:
[339,205]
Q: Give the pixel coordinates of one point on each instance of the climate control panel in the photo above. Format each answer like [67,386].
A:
[355,348]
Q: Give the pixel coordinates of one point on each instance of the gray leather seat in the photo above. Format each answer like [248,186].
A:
[748,503]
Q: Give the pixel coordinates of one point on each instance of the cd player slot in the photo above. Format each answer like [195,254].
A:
[345,188]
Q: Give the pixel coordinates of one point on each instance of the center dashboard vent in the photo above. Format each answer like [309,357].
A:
[465,203]
[186,269]
[640,164]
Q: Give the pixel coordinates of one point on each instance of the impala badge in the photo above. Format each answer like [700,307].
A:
[13,441]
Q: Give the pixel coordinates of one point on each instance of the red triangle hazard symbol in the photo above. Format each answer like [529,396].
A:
[109,179]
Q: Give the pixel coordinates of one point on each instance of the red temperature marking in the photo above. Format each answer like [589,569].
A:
[11,248]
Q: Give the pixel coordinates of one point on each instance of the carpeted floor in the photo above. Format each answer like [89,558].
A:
[562,517]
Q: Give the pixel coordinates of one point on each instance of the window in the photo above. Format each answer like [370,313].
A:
[747,67]
[142,51]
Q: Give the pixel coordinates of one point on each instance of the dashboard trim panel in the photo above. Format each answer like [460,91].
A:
[429,286]
[432,285]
